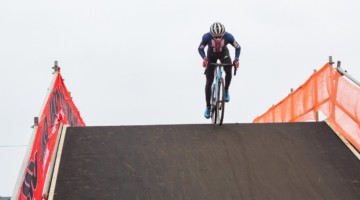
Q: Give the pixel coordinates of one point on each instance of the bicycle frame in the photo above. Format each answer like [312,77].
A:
[217,94]
[218,76]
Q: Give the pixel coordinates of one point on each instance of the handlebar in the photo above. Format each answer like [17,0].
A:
[222,64]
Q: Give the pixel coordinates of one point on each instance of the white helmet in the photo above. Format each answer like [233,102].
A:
[217,29]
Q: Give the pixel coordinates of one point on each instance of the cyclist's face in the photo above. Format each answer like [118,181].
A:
[218,38]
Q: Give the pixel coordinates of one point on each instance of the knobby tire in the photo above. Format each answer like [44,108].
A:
[220,105]
[213,105]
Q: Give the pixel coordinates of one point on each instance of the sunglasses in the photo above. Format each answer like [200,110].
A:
[218,37]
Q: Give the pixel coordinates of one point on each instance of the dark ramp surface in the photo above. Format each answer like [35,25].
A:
[235,161]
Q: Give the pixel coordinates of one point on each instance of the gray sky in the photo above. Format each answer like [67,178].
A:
[136,62]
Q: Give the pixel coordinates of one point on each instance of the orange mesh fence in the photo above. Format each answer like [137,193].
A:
[326,91]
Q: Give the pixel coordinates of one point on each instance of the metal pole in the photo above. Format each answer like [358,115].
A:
[330,60]
[56,66]
[344,73]
[36,122]
[315,91]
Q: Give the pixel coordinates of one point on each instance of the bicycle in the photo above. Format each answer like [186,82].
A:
[217,94]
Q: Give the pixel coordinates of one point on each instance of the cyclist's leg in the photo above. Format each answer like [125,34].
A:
[228,69]
[209,80]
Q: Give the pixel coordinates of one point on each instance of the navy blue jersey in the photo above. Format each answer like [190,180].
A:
[218,47]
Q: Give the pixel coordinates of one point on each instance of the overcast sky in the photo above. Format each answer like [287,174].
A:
[136,62]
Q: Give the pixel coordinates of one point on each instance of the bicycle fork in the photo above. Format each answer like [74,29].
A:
[215,89]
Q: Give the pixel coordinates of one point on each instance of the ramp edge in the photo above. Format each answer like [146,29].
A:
[57,164]
[347,143]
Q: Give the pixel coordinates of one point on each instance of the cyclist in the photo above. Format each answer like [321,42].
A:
[217,40]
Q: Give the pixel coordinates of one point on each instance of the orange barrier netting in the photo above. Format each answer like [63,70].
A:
[326,91]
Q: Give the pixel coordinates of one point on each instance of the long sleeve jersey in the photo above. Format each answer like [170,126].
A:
[208,40]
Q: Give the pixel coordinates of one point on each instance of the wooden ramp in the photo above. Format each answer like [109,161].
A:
[234,161]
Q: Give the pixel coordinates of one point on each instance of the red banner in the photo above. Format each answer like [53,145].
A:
[59,108]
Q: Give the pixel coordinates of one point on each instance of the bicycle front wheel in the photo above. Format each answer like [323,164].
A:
[213,105]
[220,105]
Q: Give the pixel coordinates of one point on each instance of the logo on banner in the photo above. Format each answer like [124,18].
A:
[31,179]
[71,117]
[44,142]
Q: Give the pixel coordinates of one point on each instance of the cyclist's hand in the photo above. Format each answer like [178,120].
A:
[236,63]
[205,61]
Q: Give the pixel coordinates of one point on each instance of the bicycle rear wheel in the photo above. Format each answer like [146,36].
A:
[220,104]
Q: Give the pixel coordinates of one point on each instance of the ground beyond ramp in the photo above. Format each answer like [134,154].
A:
[234,161]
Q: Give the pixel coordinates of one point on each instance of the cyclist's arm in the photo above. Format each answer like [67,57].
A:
[202,51]
[237,49]
[235,44]
[202,46]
